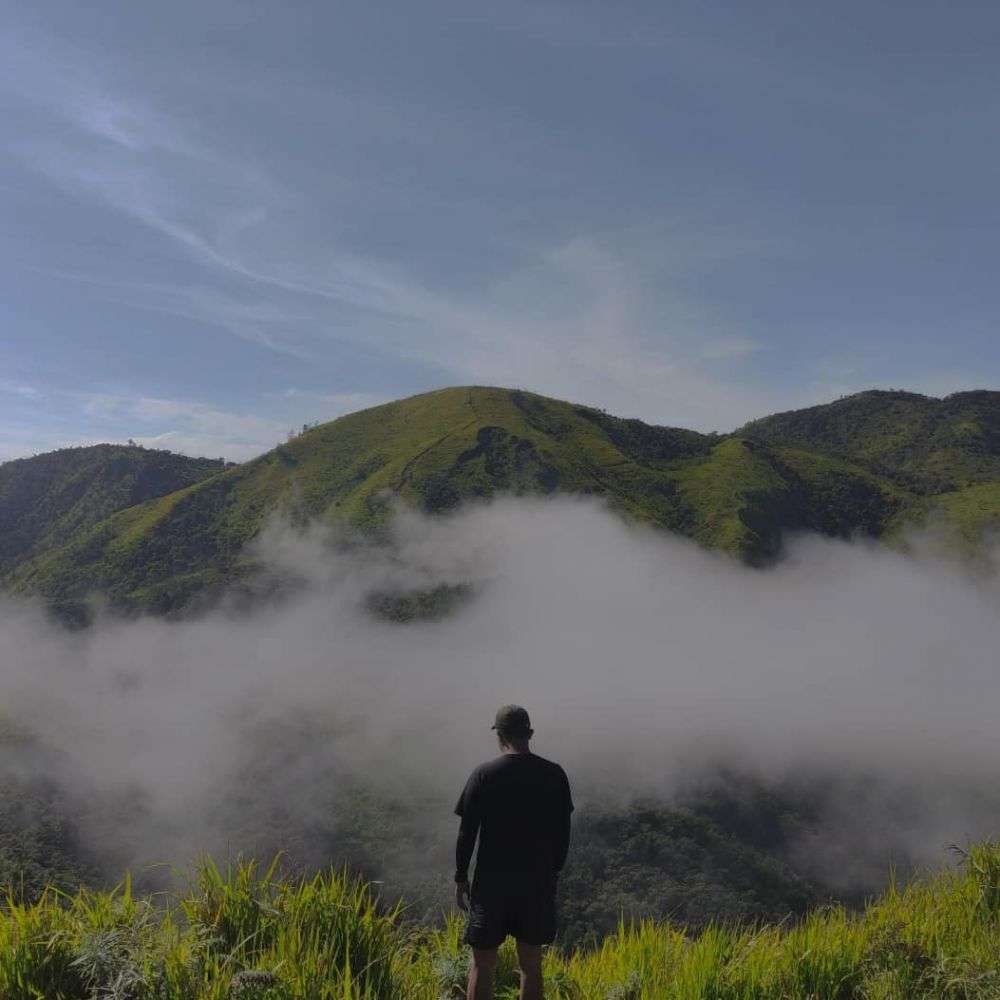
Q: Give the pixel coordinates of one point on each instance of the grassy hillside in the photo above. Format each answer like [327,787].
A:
[960,520]
[872,464]
[48,499]
[245,933]
[439,449]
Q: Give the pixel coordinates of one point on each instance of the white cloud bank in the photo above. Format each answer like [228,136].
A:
[644,662]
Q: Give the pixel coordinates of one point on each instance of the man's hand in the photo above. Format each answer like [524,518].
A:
[462,896]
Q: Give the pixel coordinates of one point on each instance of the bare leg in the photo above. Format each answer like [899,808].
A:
[481,972]
[529,957]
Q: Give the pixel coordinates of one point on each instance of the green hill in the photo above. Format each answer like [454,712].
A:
[47,499]
[865,464]
[438,449]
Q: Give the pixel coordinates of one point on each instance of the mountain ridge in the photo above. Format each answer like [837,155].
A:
[865,464]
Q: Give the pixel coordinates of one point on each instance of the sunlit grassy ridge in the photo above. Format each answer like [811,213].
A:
[439,449]
[248,933]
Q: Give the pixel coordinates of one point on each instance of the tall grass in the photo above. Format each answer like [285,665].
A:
[244,932]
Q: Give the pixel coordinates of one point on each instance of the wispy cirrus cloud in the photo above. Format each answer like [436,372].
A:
[334,404]
[21,389]
[727,348]
[248,316]
[186,426]
[570,320]
[24,441]
[197,428]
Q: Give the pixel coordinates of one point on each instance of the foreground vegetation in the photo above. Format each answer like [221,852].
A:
[250,933]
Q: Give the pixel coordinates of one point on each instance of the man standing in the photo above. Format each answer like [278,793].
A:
[519,806]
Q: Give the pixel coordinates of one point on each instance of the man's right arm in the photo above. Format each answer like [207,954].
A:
[562,825]
[468,810]
[464,847]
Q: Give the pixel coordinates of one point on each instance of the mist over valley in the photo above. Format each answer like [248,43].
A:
[751,728]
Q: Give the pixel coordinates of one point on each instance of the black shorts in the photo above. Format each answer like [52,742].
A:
[522,906]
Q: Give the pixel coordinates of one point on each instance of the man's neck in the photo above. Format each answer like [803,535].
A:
[517,751]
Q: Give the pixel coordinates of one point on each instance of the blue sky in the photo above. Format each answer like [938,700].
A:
[222,219]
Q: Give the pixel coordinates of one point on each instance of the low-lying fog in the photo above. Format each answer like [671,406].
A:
[645,662]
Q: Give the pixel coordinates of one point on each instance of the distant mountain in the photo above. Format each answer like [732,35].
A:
[945,453]
[866,464]
[925,445]
[47,500]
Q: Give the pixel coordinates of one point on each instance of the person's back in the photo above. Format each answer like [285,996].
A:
[518,805]
[521,802]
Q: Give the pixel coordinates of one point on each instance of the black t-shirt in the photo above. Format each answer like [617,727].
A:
[520,806]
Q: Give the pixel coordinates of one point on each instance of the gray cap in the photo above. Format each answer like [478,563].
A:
[512,720]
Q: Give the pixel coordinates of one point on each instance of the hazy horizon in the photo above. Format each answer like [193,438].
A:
[295,430]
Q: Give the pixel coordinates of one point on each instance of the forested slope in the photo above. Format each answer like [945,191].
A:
[47,499]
